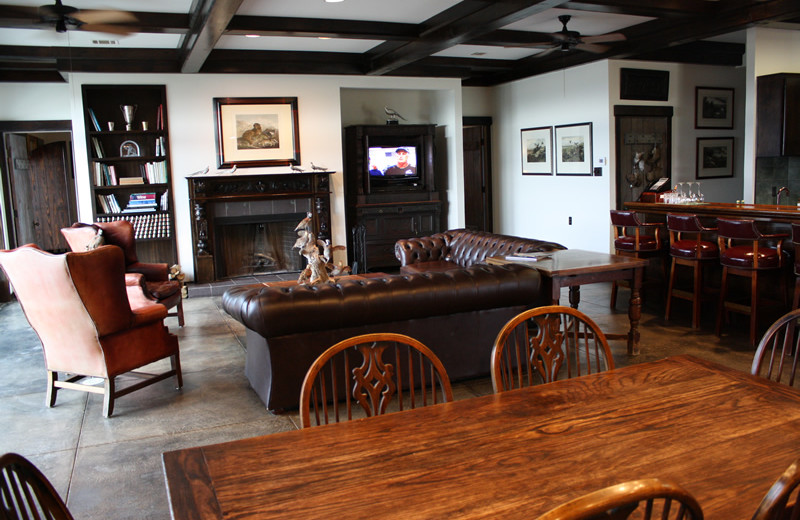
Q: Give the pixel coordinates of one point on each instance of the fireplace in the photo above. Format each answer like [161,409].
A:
[245,224]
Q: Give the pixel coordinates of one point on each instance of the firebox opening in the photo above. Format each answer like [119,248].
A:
[250,245]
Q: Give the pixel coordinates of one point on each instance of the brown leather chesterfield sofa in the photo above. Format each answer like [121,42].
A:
[461,248]
[456,313]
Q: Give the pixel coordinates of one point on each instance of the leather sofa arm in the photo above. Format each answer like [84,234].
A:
[423,249]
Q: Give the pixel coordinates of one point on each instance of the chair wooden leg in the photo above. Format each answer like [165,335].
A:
[796,299]
[50,399]
[721,304]
[176,366]
[697,296]
[670,286]
[108,397]
[753,305]
[180,312]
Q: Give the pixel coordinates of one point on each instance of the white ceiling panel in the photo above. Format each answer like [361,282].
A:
[408,11]
[585,22]
[50,38]
[488,52]
[287,43]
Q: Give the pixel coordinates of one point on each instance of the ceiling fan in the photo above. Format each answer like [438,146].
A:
[65,17]
[566,40]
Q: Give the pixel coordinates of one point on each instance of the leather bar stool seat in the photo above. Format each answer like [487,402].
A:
[688,248]
[744,252]
[635,238]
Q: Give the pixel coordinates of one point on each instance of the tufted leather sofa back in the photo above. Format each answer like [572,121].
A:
[465,247]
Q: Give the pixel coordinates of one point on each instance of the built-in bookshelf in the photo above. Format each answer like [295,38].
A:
[129,163]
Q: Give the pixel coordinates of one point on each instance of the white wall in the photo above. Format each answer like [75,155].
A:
[540,206]
[683,79]
[191,119]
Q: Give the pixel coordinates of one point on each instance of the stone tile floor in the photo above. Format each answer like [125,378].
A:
[111,468]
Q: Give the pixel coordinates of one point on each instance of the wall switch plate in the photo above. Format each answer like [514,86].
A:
[570,221]
[598,171]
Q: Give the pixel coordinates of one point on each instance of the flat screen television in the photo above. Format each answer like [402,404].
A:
[393,165]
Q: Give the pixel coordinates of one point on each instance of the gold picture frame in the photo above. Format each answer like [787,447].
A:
[253,132]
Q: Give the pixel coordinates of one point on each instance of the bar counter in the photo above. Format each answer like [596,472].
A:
[760,212]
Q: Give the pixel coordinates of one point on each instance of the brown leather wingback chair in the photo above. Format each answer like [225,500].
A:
[78,306]
[155,283]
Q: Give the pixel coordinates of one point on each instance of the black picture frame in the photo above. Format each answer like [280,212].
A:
[644,84]
[537,150]
[253,132]
[714,157]
[713,108]
[573,149]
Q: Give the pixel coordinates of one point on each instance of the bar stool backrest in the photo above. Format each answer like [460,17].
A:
[738,229]
[684,223]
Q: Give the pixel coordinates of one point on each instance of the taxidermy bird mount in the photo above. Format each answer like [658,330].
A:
[393,115]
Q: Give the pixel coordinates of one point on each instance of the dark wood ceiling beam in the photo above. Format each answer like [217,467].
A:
[489,16]
[667,9]
[283,62]
[317,27]
[700,53]
[212,27]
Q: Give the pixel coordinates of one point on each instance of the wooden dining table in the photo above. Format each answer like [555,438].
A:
[722,434]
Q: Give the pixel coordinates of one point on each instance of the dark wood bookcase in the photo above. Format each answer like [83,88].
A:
[120,156]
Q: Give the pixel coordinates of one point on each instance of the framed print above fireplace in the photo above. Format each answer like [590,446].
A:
[537,150]
[253,132]
[573,149]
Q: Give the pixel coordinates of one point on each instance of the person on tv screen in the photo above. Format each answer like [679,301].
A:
[375,171]
[402,167]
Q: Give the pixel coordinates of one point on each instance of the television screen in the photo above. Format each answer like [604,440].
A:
[393,162]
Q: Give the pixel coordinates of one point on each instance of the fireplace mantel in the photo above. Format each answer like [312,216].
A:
[206,192]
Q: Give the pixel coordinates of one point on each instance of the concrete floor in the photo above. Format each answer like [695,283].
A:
[111,468]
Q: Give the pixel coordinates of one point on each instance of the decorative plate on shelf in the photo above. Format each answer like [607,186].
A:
[129,149]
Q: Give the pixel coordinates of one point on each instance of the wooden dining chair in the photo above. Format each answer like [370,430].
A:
[782,501]
[374,373]
[25,493]
[777,352]
[640,499]
[546,344]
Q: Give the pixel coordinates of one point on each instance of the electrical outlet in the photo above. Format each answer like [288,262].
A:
[570,221]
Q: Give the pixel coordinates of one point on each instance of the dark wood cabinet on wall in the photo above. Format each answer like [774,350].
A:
[384,205]
[129,167]
[778,115]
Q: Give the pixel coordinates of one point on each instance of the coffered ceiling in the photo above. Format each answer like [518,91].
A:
[482,42]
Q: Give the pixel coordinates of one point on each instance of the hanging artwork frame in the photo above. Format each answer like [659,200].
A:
[573,149]
[537,150]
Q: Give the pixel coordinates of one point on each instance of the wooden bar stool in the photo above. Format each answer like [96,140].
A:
[687,247]
[747,260]
[645,242]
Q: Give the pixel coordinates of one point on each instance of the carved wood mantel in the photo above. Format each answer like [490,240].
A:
[206,191]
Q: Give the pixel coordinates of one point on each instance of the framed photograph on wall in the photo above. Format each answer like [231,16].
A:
[254,132]
[573,149]
[714,157]
[713,108]
[537,150]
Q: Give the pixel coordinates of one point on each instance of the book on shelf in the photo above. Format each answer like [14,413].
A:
[93,117]
[112,174]
[165,200]
[124,181]
[108,203]
[154,172]
[98,148]
[160,117]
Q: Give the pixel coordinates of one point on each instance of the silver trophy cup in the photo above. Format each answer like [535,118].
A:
[127,114]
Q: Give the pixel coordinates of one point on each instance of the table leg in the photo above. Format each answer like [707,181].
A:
[574,296]
[635,312]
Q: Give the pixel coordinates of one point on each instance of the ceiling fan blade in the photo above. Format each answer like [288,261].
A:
[122,30]
[104,16]
[531,45]
[546,52]
[603,38]
[592,47]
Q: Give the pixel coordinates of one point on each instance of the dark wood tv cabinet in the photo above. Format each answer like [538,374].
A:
[379,214]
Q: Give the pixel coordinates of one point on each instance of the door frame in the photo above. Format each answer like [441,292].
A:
[8,226]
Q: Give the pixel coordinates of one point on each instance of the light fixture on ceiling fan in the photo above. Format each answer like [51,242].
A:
[566,40]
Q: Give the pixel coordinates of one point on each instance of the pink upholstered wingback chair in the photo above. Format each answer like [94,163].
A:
[78,306]
[154,278]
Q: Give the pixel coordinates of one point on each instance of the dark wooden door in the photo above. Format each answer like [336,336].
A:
[644,147]
[42,190]
[477,178]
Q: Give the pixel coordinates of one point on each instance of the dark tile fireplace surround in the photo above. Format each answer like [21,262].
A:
[243,225]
